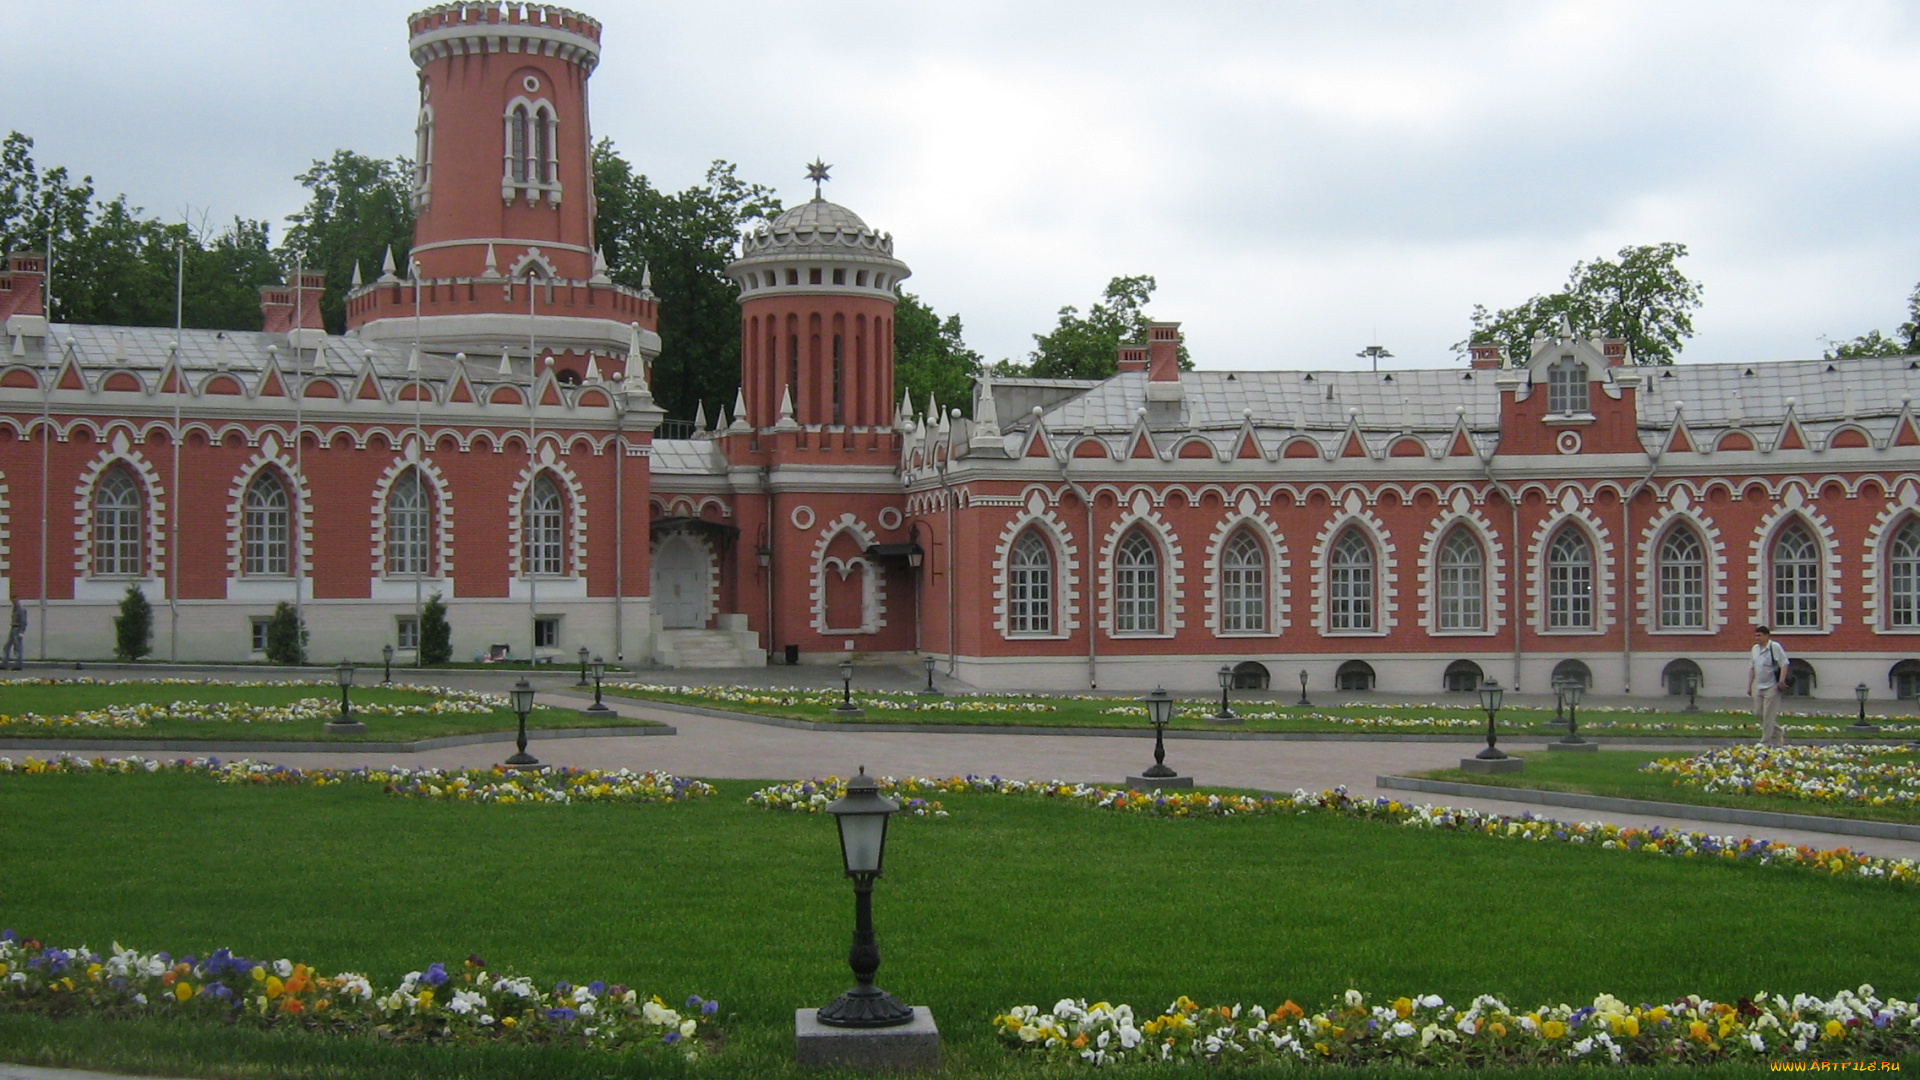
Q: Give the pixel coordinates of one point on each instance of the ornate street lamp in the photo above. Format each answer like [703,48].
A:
[1693,693]
[345,723]
[1225,715]
[1860,726]
[1559,703]
[1303,687]
[598,708]
[1570,692]
[846,706]
[583,666]
[931,690]
[1159,710]
[1490,695]
[521,761]
[386,658]
[862,815]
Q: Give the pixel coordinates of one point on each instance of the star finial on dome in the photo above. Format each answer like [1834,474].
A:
[817,172]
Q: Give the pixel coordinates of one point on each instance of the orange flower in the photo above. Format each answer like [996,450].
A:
[291,1005]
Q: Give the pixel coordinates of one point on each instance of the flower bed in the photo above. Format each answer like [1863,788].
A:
[470,1003]
[1427,1031]
[795,696]
[813,795]
[1849,775]
[447,701]
[495,785]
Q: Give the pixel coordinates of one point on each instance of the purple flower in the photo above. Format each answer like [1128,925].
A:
[693,1001]
[436,974]
[561,1015]
[709,1008]
[6,935]
[596,988]
[670,1038]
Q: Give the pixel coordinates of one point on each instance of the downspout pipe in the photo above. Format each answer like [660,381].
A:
[1626,579]
[1093,620]
[1513,547]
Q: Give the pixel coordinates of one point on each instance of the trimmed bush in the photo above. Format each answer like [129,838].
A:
[286,636]
[133,627]
[436,636]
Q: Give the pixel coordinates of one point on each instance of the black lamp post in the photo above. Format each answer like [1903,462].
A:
[386,659]
[1570,692]
[1861,726]
[345,723]
[846,706]
[862,815]
[1490,695]
[1225,715]
[931,690]
[522,695]
[583,666]
[1159,710]
[598,708]
[1693,693]
[1559,703]
[1303,687]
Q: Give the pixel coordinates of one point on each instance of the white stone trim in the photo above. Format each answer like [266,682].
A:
[1386,584]
[5,542]
[576,515]
[1793,504]
[873,589]
[1572,510]
[271,456]
[1682,509]
[1904,503]
[1172,591]
[1493,570]
[154,502]
[1066,565]
[442,568]
[1279,592]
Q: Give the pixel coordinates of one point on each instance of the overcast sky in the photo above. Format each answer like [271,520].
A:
[1302,178]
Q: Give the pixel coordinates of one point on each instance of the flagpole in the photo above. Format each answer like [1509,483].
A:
[173,524]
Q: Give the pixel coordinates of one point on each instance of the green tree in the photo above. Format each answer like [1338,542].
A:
[929,356]
[1902,342]
[36,204]
[133,627]
[686,239]
[1641,297]
[286,636]
[357,209]
[1087,346]
[436,637]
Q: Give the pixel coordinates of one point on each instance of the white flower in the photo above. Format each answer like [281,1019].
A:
[1754,1040]
[1354,997]
[1432,1001]
[687,1028]
[1404,1030]
[284,968]
[466,1001]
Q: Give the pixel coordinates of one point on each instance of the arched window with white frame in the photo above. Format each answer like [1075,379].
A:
[1461,576]
[1030,585]
[1903,577]
[423,154]
[409,526]
[1682,580]
[264,532]
[1243,585]
[1350,583]
[519,139]
[1796,578]
[544,531]
[1136,586]
[1567,386]
[1570,580]
[118,526]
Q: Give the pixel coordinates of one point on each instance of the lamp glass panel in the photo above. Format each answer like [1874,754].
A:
[345,674]
[861,838]
[1226,677]
[522,697]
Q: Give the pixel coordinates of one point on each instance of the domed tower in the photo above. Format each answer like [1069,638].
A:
[817,291]
[503,194]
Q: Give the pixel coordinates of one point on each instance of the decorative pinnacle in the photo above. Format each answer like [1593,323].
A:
[817,172]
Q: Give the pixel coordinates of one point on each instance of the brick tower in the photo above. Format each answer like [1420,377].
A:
[503,197]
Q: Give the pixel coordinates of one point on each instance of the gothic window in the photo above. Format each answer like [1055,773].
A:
[1243,585]
[1350,583]
[1462,580]
[541,167]
[544,530]
[1796,578]
[519,137]
[117,533]
[1903,576]
[409,526]
[1567,386]
[1683,581]
[1136,586]
[1570,581]
[423,151]
[265,527]
[1030,586]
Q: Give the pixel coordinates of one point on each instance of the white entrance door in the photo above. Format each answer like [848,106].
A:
[680,583]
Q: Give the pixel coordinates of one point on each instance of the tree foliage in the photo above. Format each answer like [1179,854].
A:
[358,208]
[1902,342]
[930,356]
[436,636]
[1087,346]
[286,636]
[687,239]
[133,627]
[1641,297]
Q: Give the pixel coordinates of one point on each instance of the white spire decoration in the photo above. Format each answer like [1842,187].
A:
[986,439]
[413,361]
[357,282]
[600,268]
[786,421]
[593,369]
[740,412]
[493,265]
[506,364]
[700,418]
[387,267]
[646,281]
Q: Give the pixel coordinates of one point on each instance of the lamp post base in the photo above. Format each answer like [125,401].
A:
[524,762]
[848,710]
[1862,728]
[1573,743]
[345,727]
[1225,718]
[912,1045]
[1148,783]
[1491,765]
[598,711]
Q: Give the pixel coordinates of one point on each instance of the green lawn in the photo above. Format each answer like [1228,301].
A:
[69,698]
[1010,900]
[1617,773]
[1040,710]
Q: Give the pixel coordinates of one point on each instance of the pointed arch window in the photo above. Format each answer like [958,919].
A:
[519,140]
[1136,586]
[1683,580]
[1462,579]
[1796,578]
[265,528]
[117,532]
[532,160]
[1030,586]
[1570,581]
[1350,583]
[544,531]
[1903,576]
[1243,585]
[423,156]
[409,526]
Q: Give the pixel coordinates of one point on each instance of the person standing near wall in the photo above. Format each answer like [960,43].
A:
[16,637]
[1766,682]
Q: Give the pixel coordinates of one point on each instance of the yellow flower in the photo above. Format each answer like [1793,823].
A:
[1499,1029]
[1836,1030]
[182,991]
[259,974]
[1698,1030]
[508,1021]
[1553,1029]
[274,986]
[1403,1008]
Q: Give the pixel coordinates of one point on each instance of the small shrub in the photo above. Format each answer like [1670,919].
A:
[436,636]
[286,636]
[133,627]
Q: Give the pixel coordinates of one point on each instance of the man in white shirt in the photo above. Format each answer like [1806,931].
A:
[1766,681]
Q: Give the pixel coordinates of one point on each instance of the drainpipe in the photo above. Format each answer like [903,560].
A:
[1092,616]
[946,486]
[1626,579]
[1513,546]
[766,485]
[619,519]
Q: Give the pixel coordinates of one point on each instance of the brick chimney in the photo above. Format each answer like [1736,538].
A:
[21,304]
[1163,352]
[1485,354]
[1132,358]
[281,305]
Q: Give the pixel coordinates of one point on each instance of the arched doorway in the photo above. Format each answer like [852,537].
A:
[680,582]
[1251,675]
[1463,677]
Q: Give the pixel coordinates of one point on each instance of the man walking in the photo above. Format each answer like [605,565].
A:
[16,637]
[1766,681]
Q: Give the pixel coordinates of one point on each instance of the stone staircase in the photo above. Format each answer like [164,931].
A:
[726,648]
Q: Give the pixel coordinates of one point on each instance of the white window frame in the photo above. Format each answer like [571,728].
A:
[1680,582]
[1568,391]
[1570,581]
[1460,586]
[1243,584]
[119,525]
[1030,588]
[265,523]
[543,531]
[409,525]
[1351,581]
[1797,584]
[1136,585]
[1903,577]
